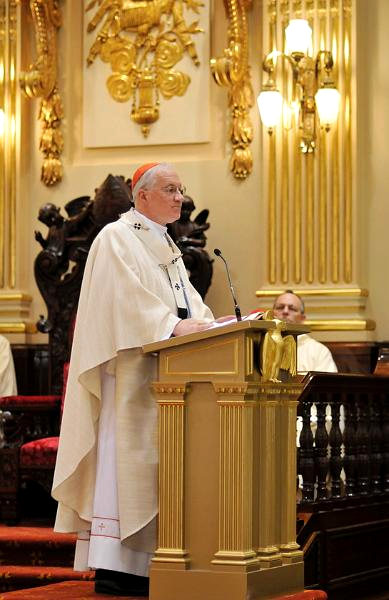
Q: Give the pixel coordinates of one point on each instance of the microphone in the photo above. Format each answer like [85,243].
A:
[236,306]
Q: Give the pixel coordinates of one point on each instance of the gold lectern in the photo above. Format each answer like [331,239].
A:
[227,475]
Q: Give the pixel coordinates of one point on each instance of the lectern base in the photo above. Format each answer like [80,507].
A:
[225,585]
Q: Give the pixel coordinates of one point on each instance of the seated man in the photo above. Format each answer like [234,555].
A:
[311,354]
[7,369]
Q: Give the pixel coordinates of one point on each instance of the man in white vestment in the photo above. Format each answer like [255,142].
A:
[135,290]
[7,369]
[311,354]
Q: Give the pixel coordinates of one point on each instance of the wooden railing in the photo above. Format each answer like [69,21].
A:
[343,454]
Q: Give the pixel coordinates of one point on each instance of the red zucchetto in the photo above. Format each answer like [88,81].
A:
[141,171]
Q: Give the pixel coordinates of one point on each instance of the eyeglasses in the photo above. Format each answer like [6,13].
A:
[172,190]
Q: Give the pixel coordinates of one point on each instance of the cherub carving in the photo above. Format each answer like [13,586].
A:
[278,351]
[190,238]
[186,232]
[112,198]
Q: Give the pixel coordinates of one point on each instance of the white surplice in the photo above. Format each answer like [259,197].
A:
[7,369]
[313,356]
[126,301]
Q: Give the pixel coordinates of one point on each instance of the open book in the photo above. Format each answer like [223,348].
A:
[254,315]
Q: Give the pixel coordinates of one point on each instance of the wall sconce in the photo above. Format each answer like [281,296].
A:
[313,87]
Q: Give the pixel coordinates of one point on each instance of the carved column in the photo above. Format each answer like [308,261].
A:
[268,550]
[171,402]
[236,412]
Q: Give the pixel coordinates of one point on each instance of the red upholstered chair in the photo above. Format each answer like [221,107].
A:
[305,595]
[30,440]
[29,425]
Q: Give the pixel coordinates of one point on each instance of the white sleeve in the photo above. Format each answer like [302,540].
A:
[7,369]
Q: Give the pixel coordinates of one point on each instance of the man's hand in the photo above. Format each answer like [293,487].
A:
[191,326]
[225,319]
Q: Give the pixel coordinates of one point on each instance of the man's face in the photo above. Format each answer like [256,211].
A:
[287,307]
[162,201]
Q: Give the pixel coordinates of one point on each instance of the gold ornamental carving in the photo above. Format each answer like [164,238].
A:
[40,81]
[278,352]
[232,71]
[143,42]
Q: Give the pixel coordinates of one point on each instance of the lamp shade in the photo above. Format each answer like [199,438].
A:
[298,35]
[327,102]
[270,107]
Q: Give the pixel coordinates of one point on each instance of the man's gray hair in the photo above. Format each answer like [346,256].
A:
[146,181]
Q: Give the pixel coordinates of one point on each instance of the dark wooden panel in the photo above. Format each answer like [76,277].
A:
[382,366]
[346,551]
[363,549]
[32,368]
[354,357]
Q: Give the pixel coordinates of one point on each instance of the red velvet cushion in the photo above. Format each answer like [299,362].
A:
[305,595]
[43,452]
[30,401]
[39,453]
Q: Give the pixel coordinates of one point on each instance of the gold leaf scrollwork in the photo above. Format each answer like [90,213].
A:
[241,162]
[40,81]
[51,171]
[167,54]
[172,83]
[143,41]
[120,88]
[51,142]
[232,71]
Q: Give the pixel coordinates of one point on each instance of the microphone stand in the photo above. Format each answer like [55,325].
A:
[238,315]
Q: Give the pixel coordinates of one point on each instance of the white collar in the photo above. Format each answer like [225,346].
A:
[153,235]
[162,246]
[157,227]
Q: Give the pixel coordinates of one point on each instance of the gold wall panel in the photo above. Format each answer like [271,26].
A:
[145,67]
[8,136]
[329,309]
[310,196]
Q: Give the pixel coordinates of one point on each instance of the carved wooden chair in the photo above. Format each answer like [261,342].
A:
[30,430]
[29,425]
